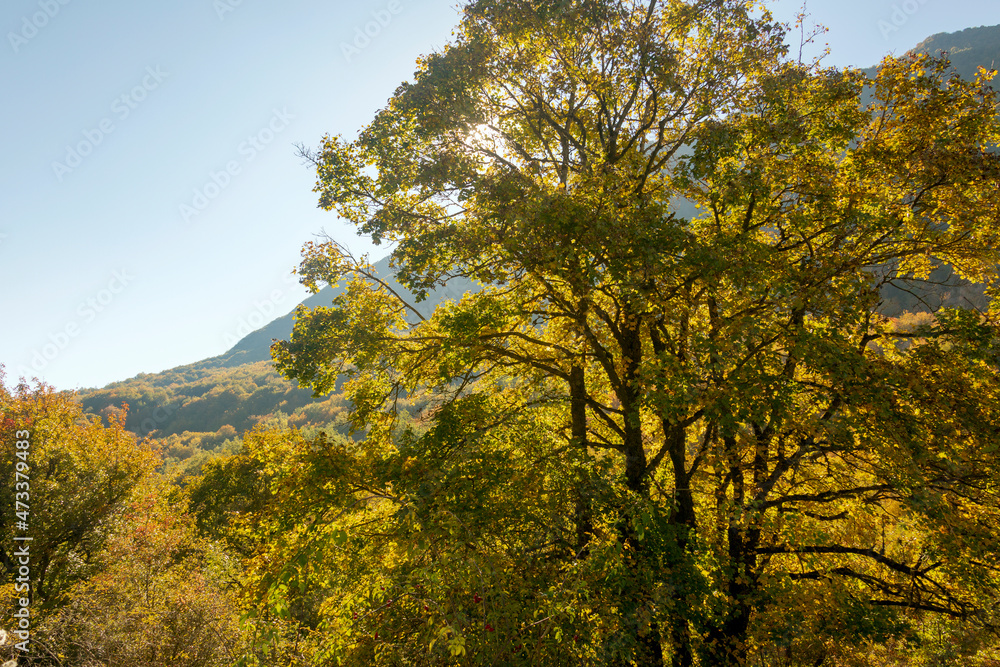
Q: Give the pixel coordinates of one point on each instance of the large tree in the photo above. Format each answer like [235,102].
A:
[727,425]
[66,479]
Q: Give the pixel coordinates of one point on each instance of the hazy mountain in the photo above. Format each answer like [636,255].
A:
[201,407]
[256,346]
[968,49]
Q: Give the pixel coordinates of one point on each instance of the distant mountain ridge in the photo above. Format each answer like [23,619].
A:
[256,346]
[198,410]
[967,49]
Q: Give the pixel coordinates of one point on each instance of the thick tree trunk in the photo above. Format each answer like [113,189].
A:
[682,520]
[727,643]
[650,649]
[583,516]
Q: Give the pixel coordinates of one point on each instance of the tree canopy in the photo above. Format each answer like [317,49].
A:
[75,477]
[652,438]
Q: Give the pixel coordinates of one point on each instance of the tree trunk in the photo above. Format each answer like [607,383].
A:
[683,522]
[650,650]
[583,516]
[727,644]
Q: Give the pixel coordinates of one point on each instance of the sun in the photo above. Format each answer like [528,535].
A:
[484,137]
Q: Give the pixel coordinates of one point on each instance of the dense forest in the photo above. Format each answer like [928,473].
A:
[580,423]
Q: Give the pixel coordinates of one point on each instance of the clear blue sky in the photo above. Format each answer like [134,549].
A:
[152,201]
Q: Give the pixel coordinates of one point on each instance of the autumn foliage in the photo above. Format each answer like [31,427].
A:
[679,421]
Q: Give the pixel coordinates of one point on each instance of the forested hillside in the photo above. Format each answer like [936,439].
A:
[202,408]
[967,50]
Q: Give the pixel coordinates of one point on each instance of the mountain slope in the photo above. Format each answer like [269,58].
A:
[256,346]
[200,406]
[968,49]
